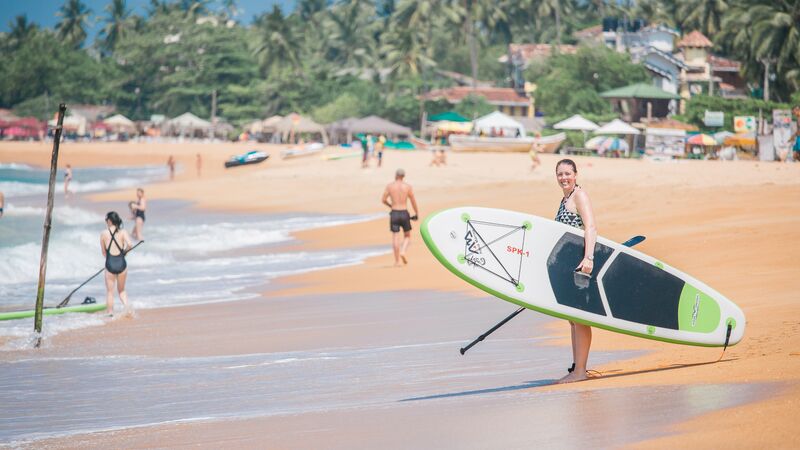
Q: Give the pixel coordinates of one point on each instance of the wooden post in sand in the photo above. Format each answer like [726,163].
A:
[37,321]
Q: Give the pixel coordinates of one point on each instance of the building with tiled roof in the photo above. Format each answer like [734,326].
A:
[695,39]
[591,34]
[506,100]
[525,54]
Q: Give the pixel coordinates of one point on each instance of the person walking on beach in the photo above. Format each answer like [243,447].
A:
[576,210]
[114,243]
[364,152]
[171,165]
[534,153]
[138,209]
[2,203]
[379,148]
[67,179]
[199,164]
[400,192]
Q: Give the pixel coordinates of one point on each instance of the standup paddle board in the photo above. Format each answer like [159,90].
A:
[530,261]
[88,308]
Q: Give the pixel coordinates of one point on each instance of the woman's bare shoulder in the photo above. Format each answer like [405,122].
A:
[581,194]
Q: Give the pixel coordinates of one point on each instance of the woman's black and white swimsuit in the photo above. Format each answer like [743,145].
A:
[566,216]
[115,263]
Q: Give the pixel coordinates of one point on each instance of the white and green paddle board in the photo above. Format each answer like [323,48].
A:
[530,261]
[82,308]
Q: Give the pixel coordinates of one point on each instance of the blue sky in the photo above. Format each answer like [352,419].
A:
[43,12]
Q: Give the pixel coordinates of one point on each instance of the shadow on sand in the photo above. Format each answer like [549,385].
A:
[540,383]
[516,387]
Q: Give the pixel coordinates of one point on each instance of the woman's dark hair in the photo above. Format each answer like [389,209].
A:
[569,162]
[113,217]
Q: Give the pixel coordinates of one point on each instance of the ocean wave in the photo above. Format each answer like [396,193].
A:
[17,166]
[67,215]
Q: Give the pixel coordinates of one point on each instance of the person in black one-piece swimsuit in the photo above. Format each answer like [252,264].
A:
[115,242]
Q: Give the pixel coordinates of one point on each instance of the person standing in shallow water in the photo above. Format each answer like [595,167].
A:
[114,243]
[138,209]
[576,210]
[171,166]
[400,192]
[67,179]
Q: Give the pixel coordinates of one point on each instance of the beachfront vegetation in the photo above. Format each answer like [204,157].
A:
[358,57]
[697,106]
[574,82]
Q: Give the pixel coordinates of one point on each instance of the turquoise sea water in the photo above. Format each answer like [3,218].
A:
[188,257]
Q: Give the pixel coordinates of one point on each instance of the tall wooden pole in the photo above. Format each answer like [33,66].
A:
[37,321]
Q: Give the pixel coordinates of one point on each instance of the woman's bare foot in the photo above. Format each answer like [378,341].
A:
[573,377]
[405,260]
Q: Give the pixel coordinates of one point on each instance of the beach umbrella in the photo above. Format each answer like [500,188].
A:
[702,139]
[577,123]
[594,142]
[721,136]
[617,126]
[612,143]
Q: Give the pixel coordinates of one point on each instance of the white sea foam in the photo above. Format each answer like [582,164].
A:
[16,166]
[67,215]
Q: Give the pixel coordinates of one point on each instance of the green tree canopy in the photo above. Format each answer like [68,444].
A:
[573,82]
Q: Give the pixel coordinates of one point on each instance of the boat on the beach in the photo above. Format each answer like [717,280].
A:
[310,149]
[463,143]
[251,157]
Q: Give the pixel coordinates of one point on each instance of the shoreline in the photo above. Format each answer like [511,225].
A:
[711,237]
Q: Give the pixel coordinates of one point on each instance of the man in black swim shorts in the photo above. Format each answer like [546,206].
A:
[400,192]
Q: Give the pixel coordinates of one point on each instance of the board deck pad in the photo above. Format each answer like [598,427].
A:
[531,261]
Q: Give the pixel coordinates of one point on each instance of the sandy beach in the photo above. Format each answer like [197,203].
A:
[730,224]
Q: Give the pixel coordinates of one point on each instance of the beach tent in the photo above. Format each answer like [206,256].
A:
[119,123]
[617,126]
[255,126]
[577,123]
[72,124]
[378,125]
[187,124]
[498,121]
[346,128]
[293,124]
[449,116]
[268,124]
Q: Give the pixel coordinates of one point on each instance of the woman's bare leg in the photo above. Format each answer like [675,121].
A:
[139,229]
[123,294]
[581,343]
[110,278]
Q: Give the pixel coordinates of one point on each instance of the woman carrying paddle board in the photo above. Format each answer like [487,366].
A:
[576,210]
[114,241]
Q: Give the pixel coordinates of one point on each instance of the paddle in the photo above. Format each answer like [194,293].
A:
[68,297]
[629,243]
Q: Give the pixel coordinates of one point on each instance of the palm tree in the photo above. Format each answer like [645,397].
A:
[117,24]
[350,37]
[74,18]
[657,12]
[20,29]
[763,33]
[277,40]
[703,15]
[404,53]
[542,11]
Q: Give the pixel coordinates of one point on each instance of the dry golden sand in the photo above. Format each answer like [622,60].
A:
[731,224]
